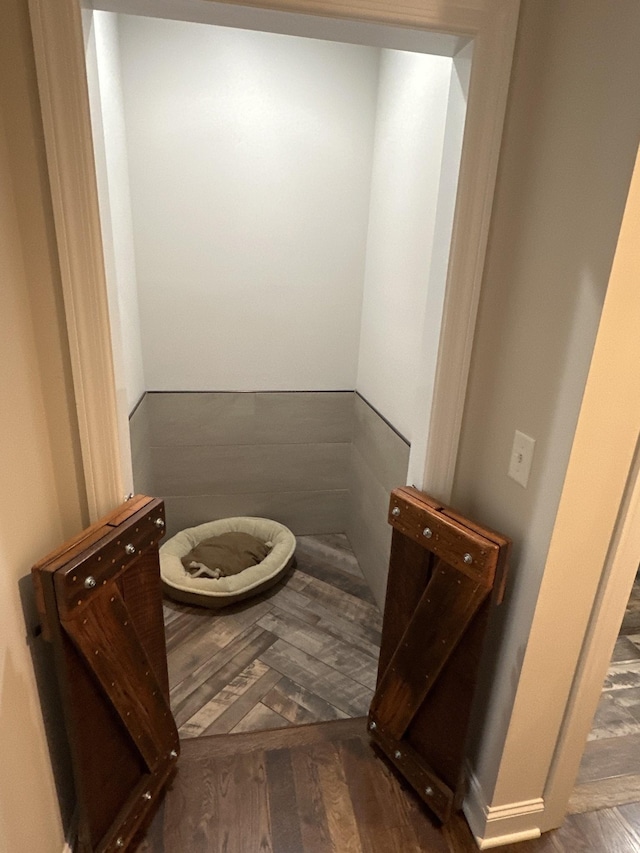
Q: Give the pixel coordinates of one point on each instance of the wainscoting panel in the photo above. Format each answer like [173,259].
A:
[319,462]
[298,417]
[280,455]
[379,463]
[140,448]
[322,512]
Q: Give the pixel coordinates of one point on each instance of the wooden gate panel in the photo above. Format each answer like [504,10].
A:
[445,576]
[102,786]
[417,565]
[441,617]
[438,732]
[105,636]
[143,598]
[99,597]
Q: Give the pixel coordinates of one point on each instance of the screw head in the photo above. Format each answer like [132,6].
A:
[146,795]
[468,559]
[130,549]
[90,582]
[173,754]
[427,532]
[395,511]
[428,791]
[372,726]
[120,842]
[159,523]
[397,753]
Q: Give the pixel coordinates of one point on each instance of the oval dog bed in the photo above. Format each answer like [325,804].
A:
[210,592]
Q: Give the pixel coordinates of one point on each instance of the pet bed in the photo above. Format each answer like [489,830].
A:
[209,592]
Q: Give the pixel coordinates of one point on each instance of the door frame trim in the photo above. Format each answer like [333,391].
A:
[61,72]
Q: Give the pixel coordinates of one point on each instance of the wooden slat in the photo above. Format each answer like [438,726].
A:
[438,732]
[425,780]
[450,540]
[106,638]
[440,619]
[106,559]
[410,567]
[78,543]
[142,595]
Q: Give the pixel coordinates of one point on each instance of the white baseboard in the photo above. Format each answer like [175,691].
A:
[495,826]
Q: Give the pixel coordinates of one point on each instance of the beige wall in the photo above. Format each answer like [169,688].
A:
[571,134]
[39,501]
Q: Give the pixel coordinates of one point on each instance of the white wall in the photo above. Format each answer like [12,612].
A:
[107,113]
[250,158]
[410,124]
[571,135]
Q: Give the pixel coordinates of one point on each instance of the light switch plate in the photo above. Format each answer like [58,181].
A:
[521,457]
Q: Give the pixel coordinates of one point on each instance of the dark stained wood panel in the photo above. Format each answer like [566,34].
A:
[440,618]
[100,606]
[441,571]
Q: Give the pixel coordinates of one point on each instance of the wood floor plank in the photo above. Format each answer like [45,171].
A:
[341,656]
[283,806]
[381,828]
[298,705]
[604,759]
[337,577]
[362,636]
[260,718]
[311,812]
[243,817]
[293,602]
[347,605]
[341,820]
[249,686]
[206,690]
[209,638]
[184,625]
[604,793]
[332,686]
[234,717]
[182,689]
[332,548]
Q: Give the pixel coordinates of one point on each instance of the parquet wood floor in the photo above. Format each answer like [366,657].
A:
[303,652]
[322,788]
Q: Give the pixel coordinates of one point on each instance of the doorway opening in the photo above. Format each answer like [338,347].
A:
[608,773]
[275,213]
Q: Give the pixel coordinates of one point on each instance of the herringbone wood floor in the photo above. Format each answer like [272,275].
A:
[306,651]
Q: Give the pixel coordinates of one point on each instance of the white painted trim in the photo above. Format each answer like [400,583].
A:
[59,48]
[495,826]
[478,167]
[613,594]
[64,102]
[615,364]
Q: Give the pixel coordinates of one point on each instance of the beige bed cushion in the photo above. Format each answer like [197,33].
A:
[280,538]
